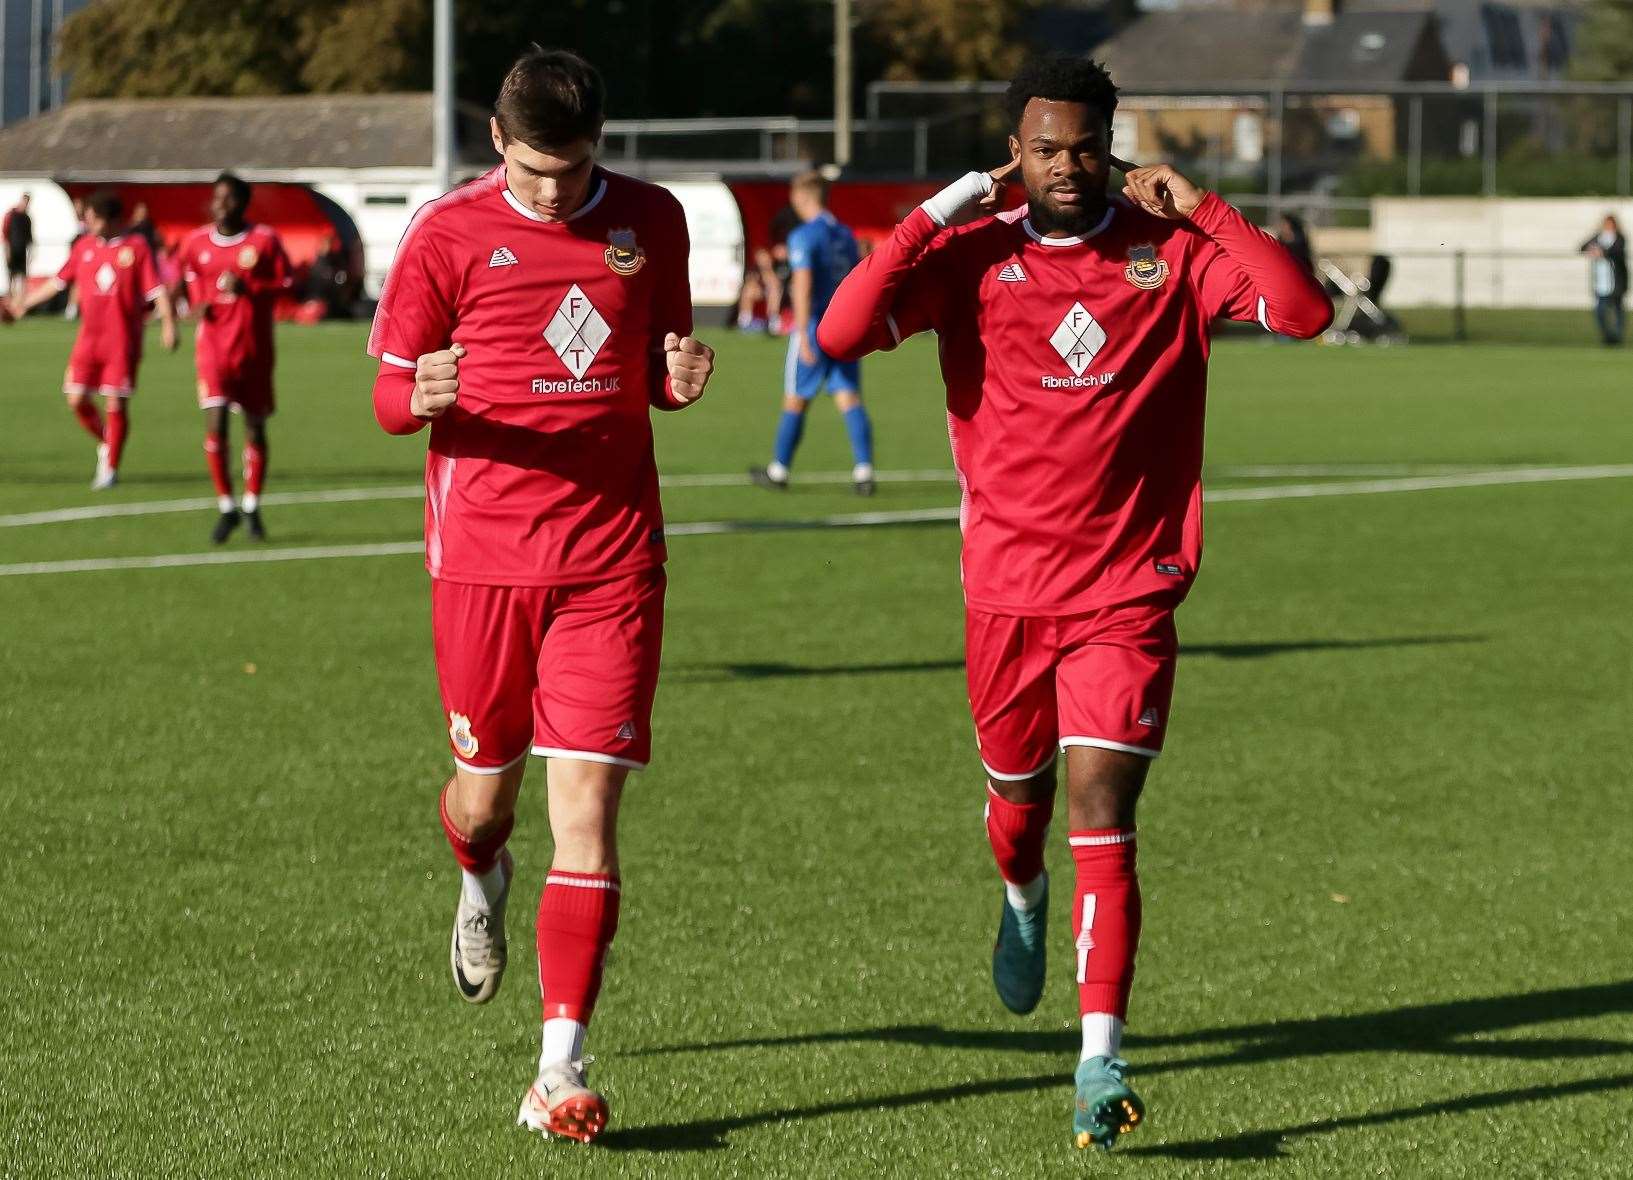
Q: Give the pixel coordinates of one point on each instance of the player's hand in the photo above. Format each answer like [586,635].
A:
[168,336]
[436,383]
[993,202]
[1161,190]
[230,283]
[807,353]
[689,363]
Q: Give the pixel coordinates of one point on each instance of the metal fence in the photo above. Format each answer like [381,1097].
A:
[1321,148]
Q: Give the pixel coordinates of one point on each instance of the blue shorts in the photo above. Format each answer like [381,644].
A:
[806,381]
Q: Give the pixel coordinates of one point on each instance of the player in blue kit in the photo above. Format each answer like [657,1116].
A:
[821,252]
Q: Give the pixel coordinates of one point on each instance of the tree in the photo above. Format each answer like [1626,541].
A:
[1605,43]
[948,39]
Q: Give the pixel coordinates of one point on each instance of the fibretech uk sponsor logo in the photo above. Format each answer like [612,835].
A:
[576,385]
[1092,381]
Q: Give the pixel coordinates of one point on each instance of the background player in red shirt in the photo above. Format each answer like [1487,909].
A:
[1074,346]
[533,317]
[235,273]
[116,279]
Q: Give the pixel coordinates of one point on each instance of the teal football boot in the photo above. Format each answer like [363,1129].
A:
[1018,957]
[1106,1107]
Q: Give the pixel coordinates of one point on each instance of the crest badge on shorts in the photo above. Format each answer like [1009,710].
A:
[247,257]
[459,732]
[623,255]
[1145,270]
[127,256]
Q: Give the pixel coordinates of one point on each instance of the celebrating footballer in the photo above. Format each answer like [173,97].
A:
[532,318]
[1074,337]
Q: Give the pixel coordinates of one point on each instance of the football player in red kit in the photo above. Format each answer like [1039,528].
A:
[533,318]
[116,278]
[235,272]
[1074,340]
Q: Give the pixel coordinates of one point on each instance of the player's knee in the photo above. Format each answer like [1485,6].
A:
[845,401]
[1027,790]
[793,403]
[1104,786]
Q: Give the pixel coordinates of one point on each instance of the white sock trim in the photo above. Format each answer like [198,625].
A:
[776,471]
[251,501]
[563,1040]
[1026,897]
[484,889]
[224,504]
[1102,1035]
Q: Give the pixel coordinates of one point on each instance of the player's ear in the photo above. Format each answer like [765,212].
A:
[498,135]
[1014,149]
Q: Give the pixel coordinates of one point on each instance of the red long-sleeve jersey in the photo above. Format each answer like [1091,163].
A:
[1076,374]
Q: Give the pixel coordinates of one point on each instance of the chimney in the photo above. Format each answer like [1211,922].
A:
[1319,13]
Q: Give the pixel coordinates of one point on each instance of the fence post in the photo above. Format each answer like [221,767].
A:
[921,148]
[1490,183]
[1278,117]
[1414,146]
[629,144]
[1624,145]
[1460,328]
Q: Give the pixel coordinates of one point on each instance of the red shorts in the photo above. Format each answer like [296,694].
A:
[247,389]
[563,671]
[100,369]
[1101,679]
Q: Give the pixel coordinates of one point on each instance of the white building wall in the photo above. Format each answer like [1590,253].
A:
[1518,252]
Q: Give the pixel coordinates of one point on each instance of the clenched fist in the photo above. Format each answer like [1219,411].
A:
[689,363]
[436,383]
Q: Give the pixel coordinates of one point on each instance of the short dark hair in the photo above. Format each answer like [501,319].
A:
[1061,78]
[240,187]
[550,98]
[105,203]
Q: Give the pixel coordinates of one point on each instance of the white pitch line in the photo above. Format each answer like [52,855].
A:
[1423,483]
[712,480]
[698,528]
[415,492]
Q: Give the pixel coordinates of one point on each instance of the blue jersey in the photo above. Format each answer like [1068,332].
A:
[828,250]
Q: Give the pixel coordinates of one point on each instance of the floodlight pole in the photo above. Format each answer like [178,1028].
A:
[442,100]
[842,82]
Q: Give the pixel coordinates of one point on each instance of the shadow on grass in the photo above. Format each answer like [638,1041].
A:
[778,670]
[709,1134]
[1272,1143]
[1426,1028]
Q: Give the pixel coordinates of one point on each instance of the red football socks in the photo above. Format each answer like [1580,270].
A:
[118,430]
[1017,832]
[254,469]
[474,856]
[88,416]
[578,915]
[216,460]
[1105,918]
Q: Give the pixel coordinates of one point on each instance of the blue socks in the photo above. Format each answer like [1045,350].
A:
[789,428]
[861,434]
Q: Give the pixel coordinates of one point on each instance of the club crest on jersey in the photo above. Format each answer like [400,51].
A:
[1145,270]
[623,255]
[459,732]
[247,257]
[127,257]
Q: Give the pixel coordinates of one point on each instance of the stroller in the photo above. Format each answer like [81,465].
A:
[1360,317]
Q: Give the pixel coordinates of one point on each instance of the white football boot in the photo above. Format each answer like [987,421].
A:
[105,476]
[560,1103]
[478,952]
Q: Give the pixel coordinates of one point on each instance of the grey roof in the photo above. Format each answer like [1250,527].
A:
[1196,48]
[1212,47]
[104,138]
[1372,47]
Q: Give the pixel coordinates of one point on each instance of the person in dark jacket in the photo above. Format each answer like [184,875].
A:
[1608,250]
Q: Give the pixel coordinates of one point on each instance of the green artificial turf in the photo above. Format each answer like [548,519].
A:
[1386,858]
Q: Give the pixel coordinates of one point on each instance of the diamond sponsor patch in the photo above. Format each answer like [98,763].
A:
[577,331]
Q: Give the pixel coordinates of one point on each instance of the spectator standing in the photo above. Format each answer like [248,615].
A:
[1608,273]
